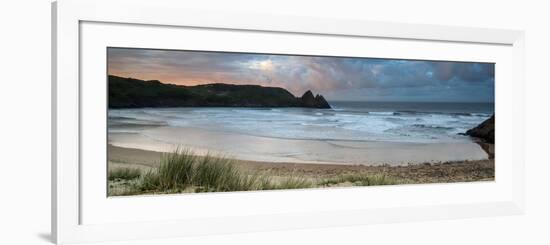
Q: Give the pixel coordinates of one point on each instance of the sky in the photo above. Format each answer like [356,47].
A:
[336,78]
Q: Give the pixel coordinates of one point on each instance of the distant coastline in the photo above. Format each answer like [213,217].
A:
[135,93]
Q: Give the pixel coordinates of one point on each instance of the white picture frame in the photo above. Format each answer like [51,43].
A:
[69,198]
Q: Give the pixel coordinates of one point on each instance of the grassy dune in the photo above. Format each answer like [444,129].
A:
[124,173]
[183,171]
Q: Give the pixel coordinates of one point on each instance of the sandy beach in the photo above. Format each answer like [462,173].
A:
[301,175]
[281,150]
[459,171]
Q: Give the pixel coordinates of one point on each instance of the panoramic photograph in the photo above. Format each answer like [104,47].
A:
[181,121]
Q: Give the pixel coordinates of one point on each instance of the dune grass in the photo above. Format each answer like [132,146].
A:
[361,179]
[219,174]
[184,171]
[292,182]
[124,174]
[175,171]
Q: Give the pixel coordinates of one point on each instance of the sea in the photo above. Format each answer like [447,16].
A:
[417,122]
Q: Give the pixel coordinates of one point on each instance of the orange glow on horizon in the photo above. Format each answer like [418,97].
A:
[177,80]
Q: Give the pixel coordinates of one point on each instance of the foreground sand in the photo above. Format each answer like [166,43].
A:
[457,171]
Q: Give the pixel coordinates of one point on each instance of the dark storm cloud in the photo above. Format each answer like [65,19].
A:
[468,72]
[337,78]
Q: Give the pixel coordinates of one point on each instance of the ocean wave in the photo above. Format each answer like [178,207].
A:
[298,123]
[432,127]
[382,113]
[455,114]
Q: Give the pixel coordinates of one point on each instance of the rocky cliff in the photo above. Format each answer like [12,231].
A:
[135,93]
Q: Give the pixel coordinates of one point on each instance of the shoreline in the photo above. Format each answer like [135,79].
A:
[267,149]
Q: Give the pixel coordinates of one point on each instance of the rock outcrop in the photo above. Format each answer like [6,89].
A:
[484,131]
[318,101]
[135,93]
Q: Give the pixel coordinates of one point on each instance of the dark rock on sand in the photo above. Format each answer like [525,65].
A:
[484,131]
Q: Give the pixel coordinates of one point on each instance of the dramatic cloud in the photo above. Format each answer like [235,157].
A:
[335,77]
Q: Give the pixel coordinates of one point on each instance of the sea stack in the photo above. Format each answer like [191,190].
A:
[318,101]
[485,130]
